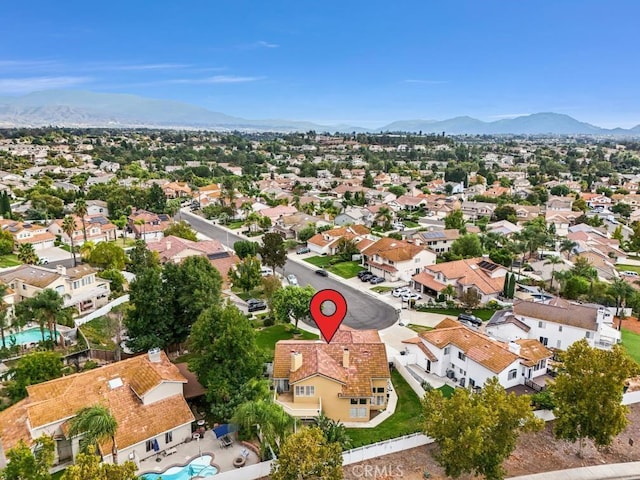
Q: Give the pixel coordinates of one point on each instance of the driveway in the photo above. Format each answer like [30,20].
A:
[55,254]
[363,311]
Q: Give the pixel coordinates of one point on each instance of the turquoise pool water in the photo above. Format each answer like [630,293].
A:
[31,335]
[200,466]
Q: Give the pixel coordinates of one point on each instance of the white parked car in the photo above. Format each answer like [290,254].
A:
[410,296]
[630,273]
[266,271]
[398,292]
[291,278]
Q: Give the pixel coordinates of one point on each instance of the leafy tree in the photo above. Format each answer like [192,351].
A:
[397,190]
[270,285]
[307,232]
[621,291]
[173,206]
[346,248]
[108,255]
[86,248]
[225,358]
[142,258]
[574,286]
[505,212]
[272,250]
[245,248]
[501,256]
[455,220]
[292,301]
[81,211]
[553,261]
[579,205]
[588,394]
[97,425]
[623,209]
[334,431]
[246,274]
[27,464]
[308,454]
[36,367]
[69,227]
[27,254]
[6,242]
[88,466]
[476,431]
[181,229]
[156,199]
[582,268]
[4,308]
[466,246]
[560,190]
[116,278]
[367,181]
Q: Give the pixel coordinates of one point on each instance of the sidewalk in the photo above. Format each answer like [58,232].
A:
[615,471]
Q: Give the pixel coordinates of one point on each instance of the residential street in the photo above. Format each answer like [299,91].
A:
[363,311]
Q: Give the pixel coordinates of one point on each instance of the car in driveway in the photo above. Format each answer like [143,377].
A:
[398,292]
[366,277]
[630,273]
[254,305]
[266,271]
[410,296]
[303,250]
[322,272]
[376,280]
[43,261]
[362,273]
[292,279]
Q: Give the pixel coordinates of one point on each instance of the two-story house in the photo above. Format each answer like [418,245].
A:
[557,325]
[144,394]
[396,259]
[148,226]
[98,229]
[80,287]
[207,195]
[26,232]
[177,190]
[479,274]
[97,207]
[326,243]
[439,241]
[473,210]
[347,379]
[470,358]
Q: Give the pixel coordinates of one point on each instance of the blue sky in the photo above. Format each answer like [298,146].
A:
[357,62]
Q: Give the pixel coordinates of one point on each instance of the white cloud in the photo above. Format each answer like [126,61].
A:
[33,84]
[264,44]
[215,79]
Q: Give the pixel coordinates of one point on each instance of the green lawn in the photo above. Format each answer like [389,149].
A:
[235,225]
[256,293]
[631,343]
[10,260]
[184,358]
[380,289]
[98,333]
[404,421]
[344,269]
[410,224]
[482,313]
[57,475]
[268,336]
[447,391]
[419,328]
[632,268]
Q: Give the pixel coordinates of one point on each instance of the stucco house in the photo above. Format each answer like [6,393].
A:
[98,228]
[326,243]
[347,379]
[147,225]
[143,393]
[26,232]
[396,259]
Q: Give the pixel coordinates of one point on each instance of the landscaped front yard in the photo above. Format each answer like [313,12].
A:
[343,269]
[483,314]
[10,260]
[630,268]
[404,421]
[631,343]
[267,337]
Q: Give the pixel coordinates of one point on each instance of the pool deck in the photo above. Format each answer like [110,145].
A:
[208,445]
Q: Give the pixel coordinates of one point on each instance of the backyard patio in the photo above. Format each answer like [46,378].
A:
[223,457]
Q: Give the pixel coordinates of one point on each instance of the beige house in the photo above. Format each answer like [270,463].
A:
[25,232]
[208,194]
[98,228]
[148,226]
[326,243]
[143,393]
[79,286]
[396,259]
[177,190]
[347,379]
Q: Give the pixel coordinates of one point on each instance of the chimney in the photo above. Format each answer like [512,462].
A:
[154,355]
[61,269]
[168,244]
[345,358]
[514,348]
[296,361]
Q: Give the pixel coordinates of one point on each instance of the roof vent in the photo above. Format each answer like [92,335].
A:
[115,383]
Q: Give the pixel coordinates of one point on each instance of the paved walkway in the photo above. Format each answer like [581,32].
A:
[615,471]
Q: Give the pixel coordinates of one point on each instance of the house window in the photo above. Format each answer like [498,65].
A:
[540,365]
[472,382]
[559,344]
[512,374]
[76,284]
[380,400]
[168,437]
[24,287]
[447,350]
[540,324]
[305,390]
[355,411]
[559,328]
[149,445]
[461,356]
[544,341]
[378,390]
[587,335]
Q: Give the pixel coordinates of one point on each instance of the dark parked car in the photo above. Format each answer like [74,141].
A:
[322,272]
[376,280]
[363,272]
[302,250]
[255,305]
[366,277]
[470,319]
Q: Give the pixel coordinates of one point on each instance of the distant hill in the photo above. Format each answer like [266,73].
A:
[75,108]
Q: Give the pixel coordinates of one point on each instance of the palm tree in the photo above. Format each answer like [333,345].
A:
[69,227]
[384,216]
[86,248]
[4,308]
[97,425]
[621,291]
[567,246]
[274,423]
[141,222]
[121,223]
[27,254]
[81,211]
[49,305]
[448,292]
[553,261]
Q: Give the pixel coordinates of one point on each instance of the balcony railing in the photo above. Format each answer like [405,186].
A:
[299,410]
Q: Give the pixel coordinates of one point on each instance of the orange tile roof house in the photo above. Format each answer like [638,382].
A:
[143,393]
[437,240]
[26,232]
[177,190]
[397,259]
[326,243]
[98,228]
[147,225]
[479,274]
[470,358]
[347,379]
[208,194]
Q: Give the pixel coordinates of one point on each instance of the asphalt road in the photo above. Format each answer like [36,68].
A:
[363,311]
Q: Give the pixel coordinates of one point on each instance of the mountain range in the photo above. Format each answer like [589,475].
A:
[73,108]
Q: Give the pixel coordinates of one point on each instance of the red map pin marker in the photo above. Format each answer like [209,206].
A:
[328,324]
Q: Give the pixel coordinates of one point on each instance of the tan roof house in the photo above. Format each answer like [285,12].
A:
[98,228]
[26,232]
[143,393]
[177,190]
[347,379]
[208,194]
[147,225]
[326,243]
[397,259]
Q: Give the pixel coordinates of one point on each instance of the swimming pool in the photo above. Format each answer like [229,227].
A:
[200,467]
[32,335]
